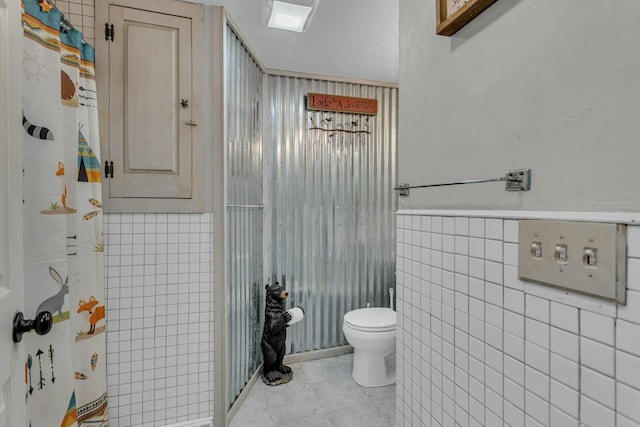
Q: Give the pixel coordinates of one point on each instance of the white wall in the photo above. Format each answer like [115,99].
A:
[478,347]
[158,273]
[549,85]
[545,84]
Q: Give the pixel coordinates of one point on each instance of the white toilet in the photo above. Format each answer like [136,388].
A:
[372,333]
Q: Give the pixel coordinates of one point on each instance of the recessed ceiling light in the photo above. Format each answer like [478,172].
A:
[288,16]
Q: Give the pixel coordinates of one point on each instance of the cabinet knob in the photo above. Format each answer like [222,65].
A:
[184,103]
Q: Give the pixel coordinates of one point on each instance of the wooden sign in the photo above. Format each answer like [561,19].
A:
[342,104]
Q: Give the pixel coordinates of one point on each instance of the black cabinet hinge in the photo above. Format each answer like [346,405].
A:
[108,169]
[108,31]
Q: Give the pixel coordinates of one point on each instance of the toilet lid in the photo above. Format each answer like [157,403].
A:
[374,319]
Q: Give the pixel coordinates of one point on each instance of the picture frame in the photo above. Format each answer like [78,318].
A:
[451,15]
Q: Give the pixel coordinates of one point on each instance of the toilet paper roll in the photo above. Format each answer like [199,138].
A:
[297,313]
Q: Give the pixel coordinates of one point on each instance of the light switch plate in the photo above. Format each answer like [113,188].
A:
[577,241]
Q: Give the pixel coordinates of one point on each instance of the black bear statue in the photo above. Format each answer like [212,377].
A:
[274,335]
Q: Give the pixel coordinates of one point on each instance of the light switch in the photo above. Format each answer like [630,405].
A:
[590,256]
[585,257]
[561,253]
[536,249]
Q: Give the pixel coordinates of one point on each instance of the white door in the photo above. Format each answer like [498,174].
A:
[12,387]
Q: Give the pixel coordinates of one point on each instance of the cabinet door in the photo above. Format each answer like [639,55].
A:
[150,105]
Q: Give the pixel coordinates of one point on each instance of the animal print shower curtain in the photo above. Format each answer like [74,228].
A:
[65,370]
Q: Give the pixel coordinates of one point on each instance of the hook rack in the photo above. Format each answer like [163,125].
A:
[514,180]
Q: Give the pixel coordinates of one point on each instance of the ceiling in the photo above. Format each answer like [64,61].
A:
[355,39]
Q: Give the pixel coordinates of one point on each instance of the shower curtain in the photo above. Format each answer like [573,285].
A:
[65,370]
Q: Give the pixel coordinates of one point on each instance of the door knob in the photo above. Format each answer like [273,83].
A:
[42,324]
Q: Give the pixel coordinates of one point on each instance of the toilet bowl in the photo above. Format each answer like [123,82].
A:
[372,333]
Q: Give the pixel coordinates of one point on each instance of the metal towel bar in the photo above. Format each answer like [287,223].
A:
[246,206]
[514,180]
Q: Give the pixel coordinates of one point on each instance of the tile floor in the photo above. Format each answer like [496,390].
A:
[321,394]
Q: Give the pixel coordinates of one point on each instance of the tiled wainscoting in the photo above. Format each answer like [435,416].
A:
[479,347]
[159,319]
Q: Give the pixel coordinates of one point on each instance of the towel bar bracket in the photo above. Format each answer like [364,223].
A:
[514,180]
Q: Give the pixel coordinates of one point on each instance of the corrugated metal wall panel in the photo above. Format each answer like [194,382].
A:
[244,192]
[332,205]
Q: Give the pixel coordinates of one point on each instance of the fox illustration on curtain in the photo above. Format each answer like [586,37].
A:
[65,370]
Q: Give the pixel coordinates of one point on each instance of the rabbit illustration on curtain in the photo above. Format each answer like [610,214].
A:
[66,373]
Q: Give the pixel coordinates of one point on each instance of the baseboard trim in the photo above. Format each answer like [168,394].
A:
[243,395]
[318,354]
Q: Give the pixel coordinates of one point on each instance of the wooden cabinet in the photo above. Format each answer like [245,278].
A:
[149,70]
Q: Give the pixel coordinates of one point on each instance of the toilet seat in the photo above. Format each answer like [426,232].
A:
[374,319]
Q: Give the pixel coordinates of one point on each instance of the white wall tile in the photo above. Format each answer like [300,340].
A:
[461,264]
[565,371]
[462,226]
[436,224]
[537,308]
[537,382]
[416,222]
[476,227]
[476,412]
[493,315]
[622,421]
[493,358]
[592,414]
[511,230]
[512,415]
[630,311]
[514,300]
[476,268]
[493,294]
[494,380]
[425,223]
[494,228]
[493,272]
[476,248]
[511,254]
[476,389]
[462,245]
[633,241]
[565,317]
[561,419]
[493,250]
[514,324]
[514,370]
[511,279]
[597,356]
[493,402]
[493,336]
[633,274]
[537,333]
[598,387]
[448,225]
[513,346]
[565,344]
[597,327]
[536,357]
[627,337]
[537,408]
[514,393]
[628,369]
[628,402]
[565,398]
